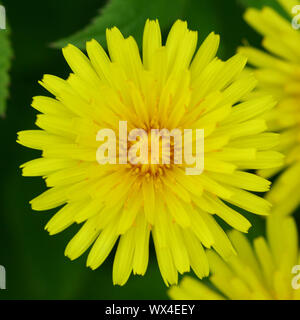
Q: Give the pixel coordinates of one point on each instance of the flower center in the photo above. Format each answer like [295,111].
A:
[154,152]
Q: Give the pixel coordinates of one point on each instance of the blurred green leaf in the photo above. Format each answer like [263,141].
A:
[263,3]
[129,16]
[5,57]
[219,16]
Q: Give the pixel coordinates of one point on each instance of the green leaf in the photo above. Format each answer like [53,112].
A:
[263,3]
[219,16]
[5,59]
[129,16]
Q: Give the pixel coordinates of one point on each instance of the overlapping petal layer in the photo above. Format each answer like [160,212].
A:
[169,87]
[266,270]
[278,72]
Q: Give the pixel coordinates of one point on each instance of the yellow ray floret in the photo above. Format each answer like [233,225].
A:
[266,270]
[278,73]
[123,204]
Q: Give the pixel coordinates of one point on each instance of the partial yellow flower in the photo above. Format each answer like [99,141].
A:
[167,88]
[278,72]
[264,271]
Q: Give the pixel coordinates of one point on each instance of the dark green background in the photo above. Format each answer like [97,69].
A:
[34,261]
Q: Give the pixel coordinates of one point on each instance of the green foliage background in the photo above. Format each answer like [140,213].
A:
[34,261]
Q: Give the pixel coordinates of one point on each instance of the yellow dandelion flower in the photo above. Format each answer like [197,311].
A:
[278,72]
[124,203]
[268,270]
